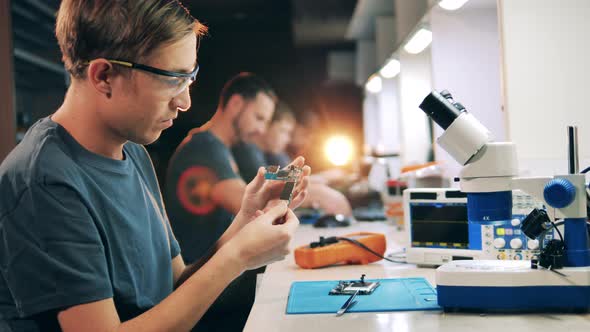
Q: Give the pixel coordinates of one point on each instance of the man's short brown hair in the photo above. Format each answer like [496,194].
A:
[119,29]
[247,85]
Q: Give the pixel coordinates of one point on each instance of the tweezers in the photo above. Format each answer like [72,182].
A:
[349,303]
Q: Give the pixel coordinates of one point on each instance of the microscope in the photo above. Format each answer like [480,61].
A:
[558,280]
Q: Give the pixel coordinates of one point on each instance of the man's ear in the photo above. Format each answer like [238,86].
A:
[235,104]
[100,74]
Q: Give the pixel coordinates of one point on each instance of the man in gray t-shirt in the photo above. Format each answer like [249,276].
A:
[56,214]
[84,235]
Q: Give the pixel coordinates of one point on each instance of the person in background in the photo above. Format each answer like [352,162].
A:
[204,190]
[269,148]
[274,142]
[307,124]
[86,242]
[305,142]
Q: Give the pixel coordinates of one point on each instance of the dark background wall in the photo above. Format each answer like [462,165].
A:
[283,41]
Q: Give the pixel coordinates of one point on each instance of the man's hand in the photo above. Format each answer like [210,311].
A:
[262,241]
[261,194]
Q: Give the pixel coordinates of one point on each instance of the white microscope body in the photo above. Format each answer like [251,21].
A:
[489,174]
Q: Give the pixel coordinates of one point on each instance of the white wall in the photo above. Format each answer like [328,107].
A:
[371,120]
[546,79]
[415,84]
[389,117]
[466,62]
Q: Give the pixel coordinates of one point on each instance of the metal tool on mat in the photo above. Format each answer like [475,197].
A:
[349,303]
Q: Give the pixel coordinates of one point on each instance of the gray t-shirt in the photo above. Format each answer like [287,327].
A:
[76,227]
[198,164]
[249,159]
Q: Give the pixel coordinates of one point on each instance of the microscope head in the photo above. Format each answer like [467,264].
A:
[464,135]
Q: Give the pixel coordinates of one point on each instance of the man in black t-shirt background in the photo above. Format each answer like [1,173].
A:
[204,189]
[203,186]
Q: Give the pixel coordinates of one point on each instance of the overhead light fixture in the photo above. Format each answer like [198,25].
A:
[374,84]
[451,4]
[419,41]
[391,69]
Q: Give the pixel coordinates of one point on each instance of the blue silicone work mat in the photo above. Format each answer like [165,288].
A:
[401,294]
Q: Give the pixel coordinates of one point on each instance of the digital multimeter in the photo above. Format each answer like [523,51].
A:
[337,251]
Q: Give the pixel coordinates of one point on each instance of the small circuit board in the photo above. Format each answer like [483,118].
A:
[289,174]
[350,287]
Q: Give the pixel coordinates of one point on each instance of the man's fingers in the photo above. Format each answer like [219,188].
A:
[299,161]
[258,180]
[302,185]
[275,212]
[297,200]
[303,182]
[291,221]
[306,170]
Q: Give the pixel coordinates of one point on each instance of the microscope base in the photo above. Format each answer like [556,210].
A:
[509,286]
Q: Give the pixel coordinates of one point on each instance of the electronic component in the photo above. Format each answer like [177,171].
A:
[290,175]
[342,250]
[353,286]
[438,229]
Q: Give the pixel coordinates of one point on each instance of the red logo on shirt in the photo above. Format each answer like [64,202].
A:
[194,190]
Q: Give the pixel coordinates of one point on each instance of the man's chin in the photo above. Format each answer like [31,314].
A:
[247,139]
[146,140]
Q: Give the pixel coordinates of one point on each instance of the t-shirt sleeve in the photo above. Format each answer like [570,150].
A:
[200,156]
[51,253]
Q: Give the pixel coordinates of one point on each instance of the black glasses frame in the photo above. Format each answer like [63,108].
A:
[192,75]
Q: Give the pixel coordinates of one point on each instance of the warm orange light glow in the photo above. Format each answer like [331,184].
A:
[339,150]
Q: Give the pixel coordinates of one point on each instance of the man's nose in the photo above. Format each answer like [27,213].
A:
[182,102]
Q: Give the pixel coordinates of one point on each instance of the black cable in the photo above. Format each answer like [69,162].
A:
[360,244]
[558,231]
[563,222]
[586,170]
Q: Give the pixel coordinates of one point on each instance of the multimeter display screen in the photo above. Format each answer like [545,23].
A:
[436,225]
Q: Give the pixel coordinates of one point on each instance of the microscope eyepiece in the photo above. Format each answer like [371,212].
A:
[441,108]
[463,135]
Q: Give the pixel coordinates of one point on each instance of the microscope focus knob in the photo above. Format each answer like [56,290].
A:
[559,193]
